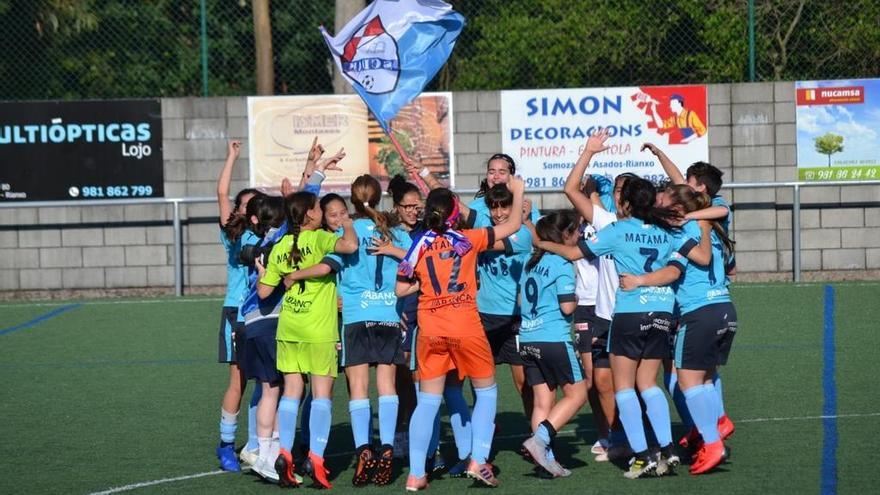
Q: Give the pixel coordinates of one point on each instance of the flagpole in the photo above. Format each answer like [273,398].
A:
[415,177]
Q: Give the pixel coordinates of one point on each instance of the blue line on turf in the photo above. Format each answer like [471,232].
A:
[39,319]
[829,407]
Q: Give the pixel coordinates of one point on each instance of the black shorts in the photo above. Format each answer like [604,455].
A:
[584,318]
[502,331]
[705,336]
[640,335]
[553,363]
[371,342]
[600,345]
[261,352]
[231,337]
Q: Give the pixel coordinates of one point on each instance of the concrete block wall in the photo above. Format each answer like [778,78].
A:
[751,137]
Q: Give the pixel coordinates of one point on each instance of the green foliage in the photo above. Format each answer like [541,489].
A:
[115,48]
[390,158]
[828,144]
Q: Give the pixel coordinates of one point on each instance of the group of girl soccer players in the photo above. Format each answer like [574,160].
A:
[585,304]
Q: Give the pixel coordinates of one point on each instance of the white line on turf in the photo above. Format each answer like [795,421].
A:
[135,486]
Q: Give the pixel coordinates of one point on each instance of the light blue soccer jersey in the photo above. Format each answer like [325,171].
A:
[725,222]
[702,285]
[236,273]
[366,282]
[482,214]
[547,284]
[499,273]
[638,248]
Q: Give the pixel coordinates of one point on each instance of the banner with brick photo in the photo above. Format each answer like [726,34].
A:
[281,130]
[838,130]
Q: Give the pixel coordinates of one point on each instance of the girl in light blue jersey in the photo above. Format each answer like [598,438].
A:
[371,334]
[234,234]
[499,169]
[548,301]
[707,326]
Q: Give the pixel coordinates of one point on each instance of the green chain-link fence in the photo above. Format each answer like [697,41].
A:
[126,48]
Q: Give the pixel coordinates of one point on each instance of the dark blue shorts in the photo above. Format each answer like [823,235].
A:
[705,337]
[371,342]
[502,332]
[231,336]
[599,331]
[640,335]
[584,319]
[261,352]
[553,363]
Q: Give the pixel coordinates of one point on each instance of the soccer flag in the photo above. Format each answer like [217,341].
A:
[392,49]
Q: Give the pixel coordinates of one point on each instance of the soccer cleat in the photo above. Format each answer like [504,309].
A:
[558,470]
[640,466]
[603,457]
[538,450]
[483,473]
[384,465]
[524,453]
[600,447]
[265,470]
[319,472]
[284,467]
[366,463]
[667,461]
[227,458]
[435,463]
[693,440]
[248,457]
[459,470]
[414,484]
[725,427]
[711,455]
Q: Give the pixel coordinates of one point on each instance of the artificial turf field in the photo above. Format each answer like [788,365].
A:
[106,394]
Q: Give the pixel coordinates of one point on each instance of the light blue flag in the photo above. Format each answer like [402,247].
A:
[392,49]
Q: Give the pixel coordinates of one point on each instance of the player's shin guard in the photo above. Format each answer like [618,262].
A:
[388,406]
[483,422]
[460,417]
[319,426]
[419,436]
[288,407]
[658,414]
[631,417]
[703,411]
[360,421]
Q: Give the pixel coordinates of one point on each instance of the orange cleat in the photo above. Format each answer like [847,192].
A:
[711,455]
[319,472]
[285,469]
[484,473]
[725,427]
[366,463]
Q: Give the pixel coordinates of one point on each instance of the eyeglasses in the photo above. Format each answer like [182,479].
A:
[411,207]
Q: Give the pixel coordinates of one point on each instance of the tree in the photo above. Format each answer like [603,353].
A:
[263,42]
[829,144]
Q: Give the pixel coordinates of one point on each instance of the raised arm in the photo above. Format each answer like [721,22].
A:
[667,164]
[701,254]
[232,152]
[514,222]
[414,168]
[348,243]
[572,189]
[315,153]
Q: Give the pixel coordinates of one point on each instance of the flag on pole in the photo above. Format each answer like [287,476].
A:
[392,49]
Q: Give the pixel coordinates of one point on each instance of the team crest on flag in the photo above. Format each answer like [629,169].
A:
[370,58]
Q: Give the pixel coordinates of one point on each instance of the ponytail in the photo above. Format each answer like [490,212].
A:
[365,196]
[297,205]
[237,223]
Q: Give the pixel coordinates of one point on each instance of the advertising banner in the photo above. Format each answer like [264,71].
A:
[281,130]
[837,130]
[68,150]
[545,131]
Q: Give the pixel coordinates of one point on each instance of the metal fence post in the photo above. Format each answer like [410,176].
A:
[178,251]
[796,233]
[203,34]
[752,40]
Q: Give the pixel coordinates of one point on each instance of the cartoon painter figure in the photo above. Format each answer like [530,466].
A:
[683,121]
